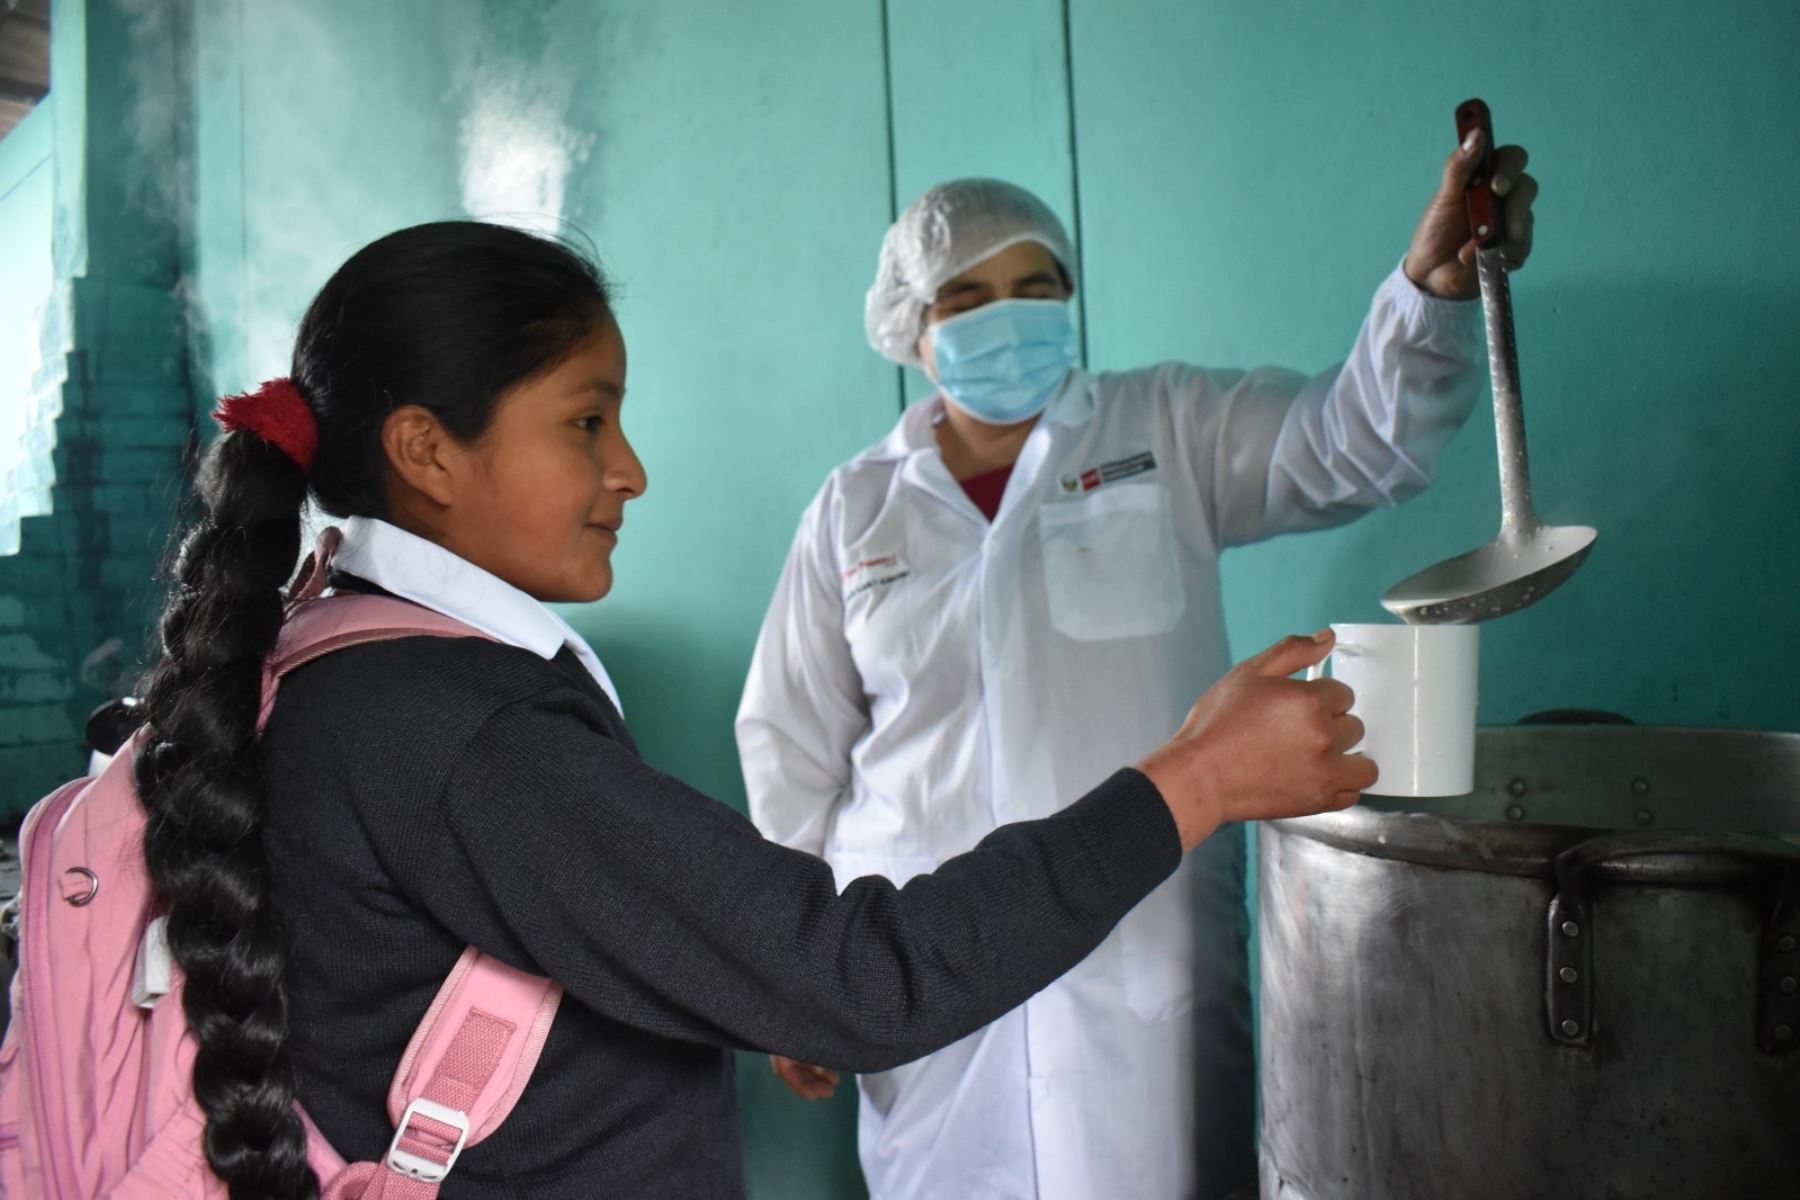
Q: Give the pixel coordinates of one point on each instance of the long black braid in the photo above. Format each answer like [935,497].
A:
[201,778]
[449,316]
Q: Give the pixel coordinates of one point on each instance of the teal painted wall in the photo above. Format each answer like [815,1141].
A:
[1241,178]
[318,127]
[980,90]
[738,187]
[1251,171]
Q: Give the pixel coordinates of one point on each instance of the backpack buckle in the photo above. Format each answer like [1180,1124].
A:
[414,1165]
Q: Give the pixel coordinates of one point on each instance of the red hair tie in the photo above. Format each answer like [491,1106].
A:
[277,413]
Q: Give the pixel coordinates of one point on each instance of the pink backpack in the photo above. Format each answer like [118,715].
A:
[96,1070]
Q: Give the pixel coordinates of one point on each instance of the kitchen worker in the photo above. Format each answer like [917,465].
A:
[1017,589]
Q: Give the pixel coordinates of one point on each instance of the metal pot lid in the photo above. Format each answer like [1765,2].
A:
[1542,788]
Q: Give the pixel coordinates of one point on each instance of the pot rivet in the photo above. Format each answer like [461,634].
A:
[1640,787]
[1643,816]
[1783,1032]
[1788,984]
[1786,944]
[1570,929]
[1515,813]
[1571,1028]
[1516,787]
[1568,975]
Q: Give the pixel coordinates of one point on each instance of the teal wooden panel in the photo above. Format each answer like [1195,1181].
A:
[349,132]
[1249,173]
[737,188]
[732,177]
[980,90]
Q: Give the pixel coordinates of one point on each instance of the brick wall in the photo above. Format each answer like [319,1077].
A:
[113,441]
[110,414]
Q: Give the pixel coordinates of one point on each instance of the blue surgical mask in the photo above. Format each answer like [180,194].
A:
[1002,362]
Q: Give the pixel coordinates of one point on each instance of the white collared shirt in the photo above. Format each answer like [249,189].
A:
[422,571]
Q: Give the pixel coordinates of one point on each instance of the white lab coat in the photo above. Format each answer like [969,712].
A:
[924,676]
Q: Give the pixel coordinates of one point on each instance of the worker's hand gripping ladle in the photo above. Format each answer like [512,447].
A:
[1527,559]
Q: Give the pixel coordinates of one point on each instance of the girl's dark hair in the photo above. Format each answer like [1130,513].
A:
[448,316]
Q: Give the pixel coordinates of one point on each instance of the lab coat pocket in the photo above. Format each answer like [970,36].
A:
[1110,565]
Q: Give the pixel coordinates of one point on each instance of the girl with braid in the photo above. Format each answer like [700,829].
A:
[455,404]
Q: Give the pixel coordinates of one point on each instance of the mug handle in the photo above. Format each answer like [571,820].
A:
[1317,670]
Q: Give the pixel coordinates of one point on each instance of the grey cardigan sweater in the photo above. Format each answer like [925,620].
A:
[431,793]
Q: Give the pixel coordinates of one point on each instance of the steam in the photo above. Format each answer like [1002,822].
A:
[517,150]
[517,141]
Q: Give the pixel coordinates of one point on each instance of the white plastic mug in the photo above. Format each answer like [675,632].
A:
[1416,688]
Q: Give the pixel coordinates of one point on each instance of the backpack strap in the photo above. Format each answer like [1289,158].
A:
[310,581]
[316,624]
[315,628]
[470,1058]
[463,1071]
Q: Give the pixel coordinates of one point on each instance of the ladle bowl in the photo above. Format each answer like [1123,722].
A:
[1528,559]
[1529,564]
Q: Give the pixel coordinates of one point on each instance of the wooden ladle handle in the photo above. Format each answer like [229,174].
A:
[1486,216]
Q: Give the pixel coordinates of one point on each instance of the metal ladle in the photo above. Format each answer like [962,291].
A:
[1527,559]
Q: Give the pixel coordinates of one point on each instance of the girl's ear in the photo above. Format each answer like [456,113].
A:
[420,453]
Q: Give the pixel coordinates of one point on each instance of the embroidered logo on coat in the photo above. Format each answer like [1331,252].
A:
[1112,472]
[872,573]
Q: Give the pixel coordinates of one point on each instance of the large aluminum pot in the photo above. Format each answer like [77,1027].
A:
[1577,982]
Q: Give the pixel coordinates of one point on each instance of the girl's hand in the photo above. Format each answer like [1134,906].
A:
[1259,745]
[804,1080]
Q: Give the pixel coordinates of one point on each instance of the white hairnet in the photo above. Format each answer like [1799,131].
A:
[940,235]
